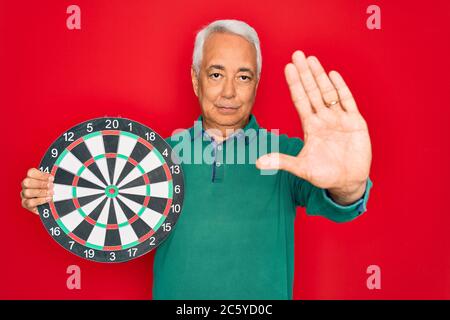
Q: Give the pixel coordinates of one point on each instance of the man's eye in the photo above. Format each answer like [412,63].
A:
[215,75]
[245,78]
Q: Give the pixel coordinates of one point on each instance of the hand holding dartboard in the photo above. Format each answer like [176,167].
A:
[117,190]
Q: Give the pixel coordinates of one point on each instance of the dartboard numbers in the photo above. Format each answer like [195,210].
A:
[68,136]
[112,124]
[118,193]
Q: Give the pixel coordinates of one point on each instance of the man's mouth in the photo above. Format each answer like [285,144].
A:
[225,106]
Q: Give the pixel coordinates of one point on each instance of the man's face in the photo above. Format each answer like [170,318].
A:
[227,82]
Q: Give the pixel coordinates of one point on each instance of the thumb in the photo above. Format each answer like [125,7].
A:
[280,161]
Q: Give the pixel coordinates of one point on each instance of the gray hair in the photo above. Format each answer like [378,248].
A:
[237,27]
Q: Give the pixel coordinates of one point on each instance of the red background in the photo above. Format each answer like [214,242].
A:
[132,59]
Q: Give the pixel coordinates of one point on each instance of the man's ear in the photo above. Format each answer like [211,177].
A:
[194,81]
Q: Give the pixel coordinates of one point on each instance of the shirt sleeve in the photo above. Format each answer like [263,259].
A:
[317,201]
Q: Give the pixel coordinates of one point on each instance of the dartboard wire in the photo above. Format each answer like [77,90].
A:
[145,220]
[127,233]
[112,236]
[85,242]
[110,164]
[72,220]
[97,237]
[85,211]
[107,225]
[150,162]
[84,150]
[71,204]
[65,192]
[146,185]
[104,162]
[88,163]
[64,177]
[126,145]
[72,164]
[135,218]
[146,214]
[95,144]
[132,170]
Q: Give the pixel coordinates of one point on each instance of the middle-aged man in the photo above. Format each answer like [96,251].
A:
[235,236]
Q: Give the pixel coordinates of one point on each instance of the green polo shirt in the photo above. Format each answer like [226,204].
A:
[235,236]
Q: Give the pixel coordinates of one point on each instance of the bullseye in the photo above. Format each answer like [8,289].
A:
[111,191]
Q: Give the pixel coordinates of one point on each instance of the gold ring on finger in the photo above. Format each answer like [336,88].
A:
[331,103]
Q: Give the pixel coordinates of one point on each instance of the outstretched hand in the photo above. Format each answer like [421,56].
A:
[337,150]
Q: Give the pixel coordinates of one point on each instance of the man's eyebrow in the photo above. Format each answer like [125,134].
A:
[220,67]
[216,66]
[246,70]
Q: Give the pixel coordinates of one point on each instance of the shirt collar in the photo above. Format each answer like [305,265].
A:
[195,132]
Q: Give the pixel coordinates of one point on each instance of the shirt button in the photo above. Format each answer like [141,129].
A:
[219,148]
[218,164]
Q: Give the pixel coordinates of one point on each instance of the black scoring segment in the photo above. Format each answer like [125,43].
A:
[64,207]
[83,230]
[95,214]
[126,210]
[157,175]
[135,183]
[125,171]
[111,143]
[140,228]
[96,171]
[81,152]
[139,152]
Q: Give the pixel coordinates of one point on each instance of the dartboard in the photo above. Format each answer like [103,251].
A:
[118,190]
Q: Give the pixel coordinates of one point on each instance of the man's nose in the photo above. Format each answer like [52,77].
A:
[228,90]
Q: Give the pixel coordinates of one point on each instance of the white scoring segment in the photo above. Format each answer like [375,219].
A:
[103,166]
[139,190]
[125,147]
[103,218]
[74,218]
[149,216]
[72,164]
[64,192]
[83,192]
[160,189]
[120,215]
[97,236]
[89,207]
[149,163]
[127,234]
[96,147]
[120,163]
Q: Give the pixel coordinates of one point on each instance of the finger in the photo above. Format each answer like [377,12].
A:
[31,183]
[329,92]
[298,94]
[308,81]
[34,210]
[37,193]
[280,161]
[345,96]
[39,175]
[32,203]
